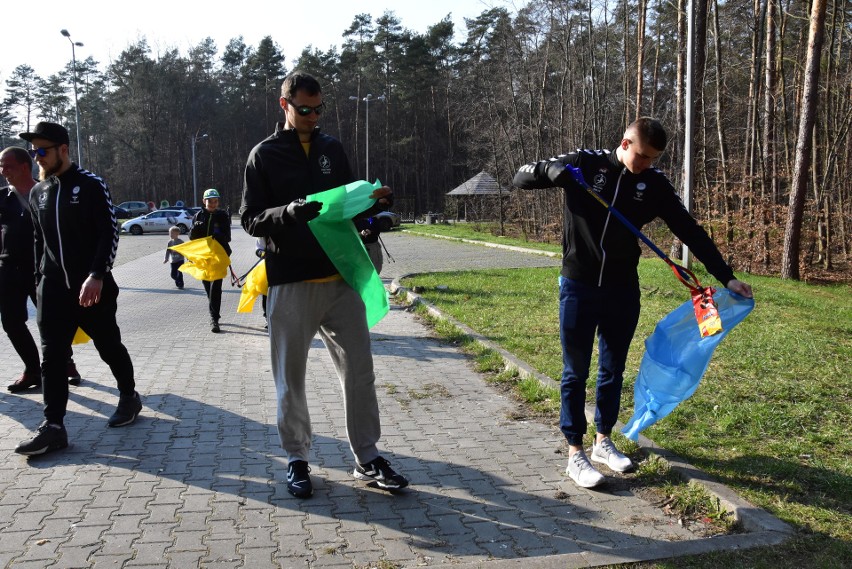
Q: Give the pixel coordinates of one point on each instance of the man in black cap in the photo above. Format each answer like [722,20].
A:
[76,237]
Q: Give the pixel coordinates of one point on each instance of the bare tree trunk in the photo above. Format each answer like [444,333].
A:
[753,91]
[640,54]
[680,87]
[769,184]
[810,99]
[700,70]
[726,200]
[784,136]
[625,40]
[655,81]
[821,200]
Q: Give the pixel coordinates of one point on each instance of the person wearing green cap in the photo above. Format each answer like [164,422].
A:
[215,222]
[307,294]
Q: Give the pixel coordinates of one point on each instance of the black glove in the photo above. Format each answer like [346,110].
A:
[559,175]
[301,211]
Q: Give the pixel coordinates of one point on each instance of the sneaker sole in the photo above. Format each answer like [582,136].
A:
[606,462]
[45,450]
[124,423]
[302,495]
[581,485]
[74,381]
[381,483]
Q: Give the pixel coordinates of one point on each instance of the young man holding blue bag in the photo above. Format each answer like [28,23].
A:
[599,283]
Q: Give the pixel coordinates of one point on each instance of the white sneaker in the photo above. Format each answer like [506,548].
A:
[582,472]
[606,453]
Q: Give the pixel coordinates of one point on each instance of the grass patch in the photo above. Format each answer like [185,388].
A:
[430,391]
[770,418]
[486,232]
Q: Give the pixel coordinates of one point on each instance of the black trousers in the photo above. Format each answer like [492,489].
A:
[16,286]
[59,314]
[214,297]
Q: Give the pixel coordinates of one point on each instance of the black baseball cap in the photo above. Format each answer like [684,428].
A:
[49,131]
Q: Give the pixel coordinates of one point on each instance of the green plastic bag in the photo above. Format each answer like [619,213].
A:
[338,237]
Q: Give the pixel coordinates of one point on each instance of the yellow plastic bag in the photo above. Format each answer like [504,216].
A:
[206,259]
[255,285]
[80,337]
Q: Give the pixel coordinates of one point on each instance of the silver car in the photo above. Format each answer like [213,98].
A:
[158,222]
[135,208]
[387,220]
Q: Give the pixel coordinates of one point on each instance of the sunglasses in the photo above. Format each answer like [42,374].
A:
[41,151]
[305,110]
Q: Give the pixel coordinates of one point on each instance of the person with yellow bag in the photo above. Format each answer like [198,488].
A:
[216,223]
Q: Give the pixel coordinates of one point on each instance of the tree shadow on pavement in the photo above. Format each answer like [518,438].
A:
[452,510]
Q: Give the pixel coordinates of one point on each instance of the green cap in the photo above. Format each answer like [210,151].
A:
[211,193]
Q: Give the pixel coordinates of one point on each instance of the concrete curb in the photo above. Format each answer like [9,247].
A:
[486,244]
[763,528]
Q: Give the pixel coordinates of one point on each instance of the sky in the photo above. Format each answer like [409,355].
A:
[106,28]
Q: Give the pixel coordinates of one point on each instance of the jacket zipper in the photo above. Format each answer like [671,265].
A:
[59,235]
[606,225]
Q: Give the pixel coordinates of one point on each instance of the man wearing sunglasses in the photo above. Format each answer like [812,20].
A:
[76,237]
[17,267]
[306,293]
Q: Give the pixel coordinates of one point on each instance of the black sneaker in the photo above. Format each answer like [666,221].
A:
[48,438]
[380,471]
[214,327]
[74,377]
[127,411]
[298,479]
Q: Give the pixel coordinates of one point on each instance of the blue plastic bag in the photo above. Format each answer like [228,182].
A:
[676,357]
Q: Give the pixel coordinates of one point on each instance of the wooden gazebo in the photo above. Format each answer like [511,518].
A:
[476,195]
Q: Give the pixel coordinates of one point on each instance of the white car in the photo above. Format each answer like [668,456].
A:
[158,222]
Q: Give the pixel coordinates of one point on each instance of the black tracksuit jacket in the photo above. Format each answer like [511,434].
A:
[278,172]
[217,224]
[597,248]
[16,233]
[76,234]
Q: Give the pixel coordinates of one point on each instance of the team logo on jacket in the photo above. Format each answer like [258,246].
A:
[325,164]
[600,182]
[75,195]
[42,200]
[639,192]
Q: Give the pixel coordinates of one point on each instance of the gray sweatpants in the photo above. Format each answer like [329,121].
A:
[296,312]
[375,252]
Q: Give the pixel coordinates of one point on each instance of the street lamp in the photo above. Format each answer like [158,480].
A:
[195,138]
[76,106]
[367,100]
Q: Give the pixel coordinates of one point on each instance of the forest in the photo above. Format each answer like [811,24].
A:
[770,113]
